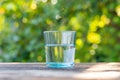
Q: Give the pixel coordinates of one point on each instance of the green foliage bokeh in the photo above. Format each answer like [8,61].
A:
[97,23]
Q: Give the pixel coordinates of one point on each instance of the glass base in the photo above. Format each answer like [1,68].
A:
[59,65]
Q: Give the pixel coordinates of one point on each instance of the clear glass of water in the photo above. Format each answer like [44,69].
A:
[59,48]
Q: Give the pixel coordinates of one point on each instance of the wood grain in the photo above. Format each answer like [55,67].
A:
[39,71]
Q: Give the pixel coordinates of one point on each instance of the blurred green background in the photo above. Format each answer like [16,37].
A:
[97,23]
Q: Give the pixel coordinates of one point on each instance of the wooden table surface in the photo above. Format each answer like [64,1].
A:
[38,71]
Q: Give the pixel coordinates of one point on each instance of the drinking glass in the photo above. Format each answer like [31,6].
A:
[59,48]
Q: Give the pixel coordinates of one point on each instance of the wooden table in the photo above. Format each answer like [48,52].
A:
[38,71]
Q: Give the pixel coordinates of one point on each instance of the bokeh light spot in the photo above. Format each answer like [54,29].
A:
[118,10]
[11,6]
[2,11]
[2,21]
[75,23]
[77,60]
[57,16]
[79,43]
[39,58]
[54,2]
[33,6]
[105,19]
[44,1]
[16,24]
[93,24]
[94,46]
[24,20]
[62,27]
[93,38]
[92,52]
[49,22]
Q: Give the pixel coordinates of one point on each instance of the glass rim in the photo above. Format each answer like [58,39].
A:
[59,31]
